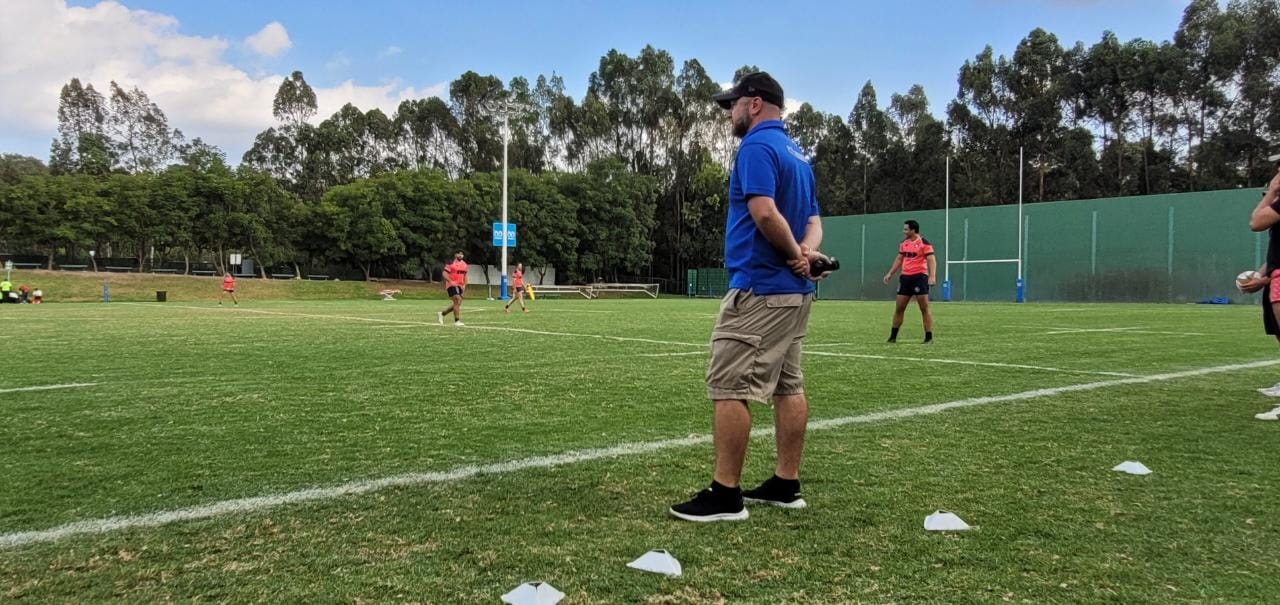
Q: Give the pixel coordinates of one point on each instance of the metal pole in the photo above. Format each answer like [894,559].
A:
[1020,283]
[1019,213]
[506,136]
[946,244]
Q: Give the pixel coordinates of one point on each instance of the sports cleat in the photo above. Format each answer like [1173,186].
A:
[525,309]
[892,341]
[1272,415]
[775,492]
[927,341]
[506,309]
[458,324]
[440,318]
[708,506]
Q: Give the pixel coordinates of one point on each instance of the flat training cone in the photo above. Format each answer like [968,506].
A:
[533,593]
[1132,467]
[944,521]
[657,561]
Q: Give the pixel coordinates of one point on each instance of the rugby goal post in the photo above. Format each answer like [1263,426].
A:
[1019,284]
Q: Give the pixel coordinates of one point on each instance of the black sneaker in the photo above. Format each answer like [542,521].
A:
[892,341]
[777,492]
[709,505]
[927,341]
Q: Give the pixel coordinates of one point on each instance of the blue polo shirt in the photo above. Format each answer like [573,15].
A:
[768,164]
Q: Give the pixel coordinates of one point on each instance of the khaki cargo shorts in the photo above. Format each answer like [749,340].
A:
[755,347]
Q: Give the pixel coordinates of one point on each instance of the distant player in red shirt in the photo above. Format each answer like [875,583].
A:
[228,287]
[455,281]
[919,267]
[517,282]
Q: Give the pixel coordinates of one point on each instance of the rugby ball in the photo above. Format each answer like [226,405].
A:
[1246,276]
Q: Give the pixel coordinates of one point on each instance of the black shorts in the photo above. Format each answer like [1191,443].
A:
[454,291]
[913,285]
[1269,313]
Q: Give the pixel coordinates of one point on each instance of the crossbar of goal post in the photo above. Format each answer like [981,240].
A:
[1019,285]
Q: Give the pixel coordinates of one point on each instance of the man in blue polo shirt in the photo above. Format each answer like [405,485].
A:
[772,234]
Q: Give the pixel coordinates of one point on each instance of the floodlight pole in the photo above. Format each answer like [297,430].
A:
[506,138]
[946,244]
[1021,285]
[504,108]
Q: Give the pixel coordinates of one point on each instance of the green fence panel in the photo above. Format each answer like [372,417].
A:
[1161,248]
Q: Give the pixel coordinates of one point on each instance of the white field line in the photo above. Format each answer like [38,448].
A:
[1074,330]
[258,503]
[681,354]
[448,324]
[1125,331]
[49,387]
[991,364]
[830,344]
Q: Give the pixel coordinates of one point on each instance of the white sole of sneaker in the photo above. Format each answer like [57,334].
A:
[799,503]
[1267,416]
[738,516]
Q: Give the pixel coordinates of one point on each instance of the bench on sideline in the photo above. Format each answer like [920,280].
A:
[590,291]
[554,290]
[649,289]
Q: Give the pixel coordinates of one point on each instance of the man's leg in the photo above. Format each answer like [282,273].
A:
[899,309]
[790,419]
[732,430]
[926,316]
[1274,391]
[457,308]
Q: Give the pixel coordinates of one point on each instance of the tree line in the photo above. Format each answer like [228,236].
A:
[631,178]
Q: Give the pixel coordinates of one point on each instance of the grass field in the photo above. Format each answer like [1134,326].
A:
[435,455]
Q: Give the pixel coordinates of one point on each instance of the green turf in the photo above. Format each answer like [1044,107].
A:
[196,404]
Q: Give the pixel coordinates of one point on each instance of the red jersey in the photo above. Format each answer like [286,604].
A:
[455,273]
[228,283]
[518,279]
[915,253]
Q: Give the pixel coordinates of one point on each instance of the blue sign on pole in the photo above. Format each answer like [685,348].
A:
[511,235]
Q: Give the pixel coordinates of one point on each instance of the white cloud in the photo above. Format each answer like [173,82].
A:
[270,41]
[390,51]
[338,64]
[45,43]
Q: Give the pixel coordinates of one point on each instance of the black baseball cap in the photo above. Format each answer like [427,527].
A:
[756,84]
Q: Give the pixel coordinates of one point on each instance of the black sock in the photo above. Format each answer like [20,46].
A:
[729,492]
[928,335]
[793,484]
[893,333]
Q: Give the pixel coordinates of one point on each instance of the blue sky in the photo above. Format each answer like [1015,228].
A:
[379,51]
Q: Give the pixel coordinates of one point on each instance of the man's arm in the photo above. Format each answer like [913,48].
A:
[1264,216]
[897,263]
[770,222]
[933,269]
[809,246]
[812,235]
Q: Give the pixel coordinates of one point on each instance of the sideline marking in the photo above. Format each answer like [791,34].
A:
[49,387]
